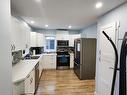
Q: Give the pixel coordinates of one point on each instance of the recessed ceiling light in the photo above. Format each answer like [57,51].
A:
[99,5]
[32,22]
[46,25]
[38,0]
[69,26]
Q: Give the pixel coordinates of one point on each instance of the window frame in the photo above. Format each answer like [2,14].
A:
[50,50]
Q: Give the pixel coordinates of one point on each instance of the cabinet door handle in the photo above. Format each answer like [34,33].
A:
[11,47]
[28,76]
[14,47]
[31,80]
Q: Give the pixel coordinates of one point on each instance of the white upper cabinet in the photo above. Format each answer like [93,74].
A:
[39,40]
[72,38]
[62,35]
[20,35]
[33,39]
[36,39]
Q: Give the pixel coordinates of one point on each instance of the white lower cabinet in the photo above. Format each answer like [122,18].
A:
[49,61]
[40,66]
[29,83]
[25,87]
[18,88]
[71,60]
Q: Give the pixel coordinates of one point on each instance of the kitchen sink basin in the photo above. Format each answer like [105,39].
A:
[32,57]
[35,57]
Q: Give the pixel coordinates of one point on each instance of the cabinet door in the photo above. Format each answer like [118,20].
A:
[18,88]
[53,61]
[45,61]
[36,39]
[20,34]
[30,83]
[62,35]
[50,61]
[71,60]
[72,38]
[26,43]
[39,40]
[40,66]
[33,39]
[16,34]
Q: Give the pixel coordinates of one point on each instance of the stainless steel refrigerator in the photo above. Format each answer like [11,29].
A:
[85,58]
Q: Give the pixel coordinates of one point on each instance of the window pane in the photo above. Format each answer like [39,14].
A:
[52,44]
[47,45]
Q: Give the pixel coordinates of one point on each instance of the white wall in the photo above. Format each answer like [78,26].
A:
[117,15]
[5,53]
[89,32]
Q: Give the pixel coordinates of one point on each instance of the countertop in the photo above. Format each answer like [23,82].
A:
[54,53]
[21,70]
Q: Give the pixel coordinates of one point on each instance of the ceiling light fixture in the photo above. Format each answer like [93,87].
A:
[46,25]
[99,5]
[32,22]
[38,0]
[70,27]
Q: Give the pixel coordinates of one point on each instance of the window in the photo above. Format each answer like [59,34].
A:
[50,44]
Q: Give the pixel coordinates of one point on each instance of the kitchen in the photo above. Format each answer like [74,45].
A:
[63,47]
[30,43]
[40,54]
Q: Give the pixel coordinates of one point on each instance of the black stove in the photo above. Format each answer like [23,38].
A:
[63,60]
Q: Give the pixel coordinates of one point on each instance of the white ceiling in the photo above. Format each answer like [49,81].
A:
[61,13]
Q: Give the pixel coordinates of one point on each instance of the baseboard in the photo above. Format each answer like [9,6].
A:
[48,69]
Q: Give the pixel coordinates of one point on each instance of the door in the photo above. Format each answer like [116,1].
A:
[107,59]
[63,60]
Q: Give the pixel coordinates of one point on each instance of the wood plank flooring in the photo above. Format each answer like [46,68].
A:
[64,82]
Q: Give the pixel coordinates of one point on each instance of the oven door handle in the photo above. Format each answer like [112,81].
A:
[63,55]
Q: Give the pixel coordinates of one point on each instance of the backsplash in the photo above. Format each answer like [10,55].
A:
[38,50]
[17,56]
[69,49]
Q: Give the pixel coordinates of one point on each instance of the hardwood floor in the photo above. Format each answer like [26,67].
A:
[64,82]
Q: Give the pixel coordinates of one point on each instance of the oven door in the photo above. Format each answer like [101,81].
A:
[63,60]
